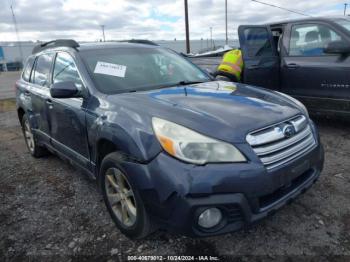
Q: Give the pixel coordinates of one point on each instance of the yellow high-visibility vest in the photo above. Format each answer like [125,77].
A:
[232,63]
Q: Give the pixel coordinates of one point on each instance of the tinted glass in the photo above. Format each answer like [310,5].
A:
[65,69]
[42,69]
[117,70]
[28,69]
[257,42]
[310,40]
[344,23]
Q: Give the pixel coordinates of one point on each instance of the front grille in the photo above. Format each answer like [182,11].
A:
[280,143]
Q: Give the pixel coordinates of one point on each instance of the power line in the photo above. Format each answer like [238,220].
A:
[17,34]
[282,8]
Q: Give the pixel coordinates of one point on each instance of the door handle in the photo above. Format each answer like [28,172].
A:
[293,66]
[49,103]
[253,67]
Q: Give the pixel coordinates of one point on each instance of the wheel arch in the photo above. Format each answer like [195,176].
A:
[104,147]
[20,113]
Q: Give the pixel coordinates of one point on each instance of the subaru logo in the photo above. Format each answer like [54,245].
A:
[288,131]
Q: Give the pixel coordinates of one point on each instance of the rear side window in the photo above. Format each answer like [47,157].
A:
[257,42]
[42,70]
[28,69]
[311,39]
[65,70]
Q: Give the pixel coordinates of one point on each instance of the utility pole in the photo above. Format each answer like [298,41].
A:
[226,21]
[211,37]
[17,34]
[188,49]
[345,6]
[103,32]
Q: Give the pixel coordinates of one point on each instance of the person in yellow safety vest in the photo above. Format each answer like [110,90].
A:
[231,66]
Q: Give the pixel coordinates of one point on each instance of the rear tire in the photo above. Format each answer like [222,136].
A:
[122,199]
[34,149]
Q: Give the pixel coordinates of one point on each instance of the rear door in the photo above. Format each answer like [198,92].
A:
[40,95]
[260,56]
[319,80]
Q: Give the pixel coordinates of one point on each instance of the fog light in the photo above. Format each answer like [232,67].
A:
[210,217]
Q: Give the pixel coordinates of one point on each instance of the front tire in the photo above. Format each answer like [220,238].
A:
[122,199]
[34,149]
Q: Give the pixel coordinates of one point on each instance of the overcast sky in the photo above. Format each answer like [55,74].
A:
[153,19]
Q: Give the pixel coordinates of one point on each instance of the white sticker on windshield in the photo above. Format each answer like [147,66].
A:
[110,69]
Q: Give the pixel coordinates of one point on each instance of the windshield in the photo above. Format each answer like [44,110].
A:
[344,23]
[118,70]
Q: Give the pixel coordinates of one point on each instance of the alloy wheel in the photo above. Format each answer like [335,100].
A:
[28,135]
[121,197]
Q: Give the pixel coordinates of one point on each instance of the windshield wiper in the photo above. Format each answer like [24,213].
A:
[184,83]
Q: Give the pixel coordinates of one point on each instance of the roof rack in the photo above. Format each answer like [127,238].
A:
[140,41]
[55,43]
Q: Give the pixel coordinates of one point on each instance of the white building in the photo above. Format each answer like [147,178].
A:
[10,54]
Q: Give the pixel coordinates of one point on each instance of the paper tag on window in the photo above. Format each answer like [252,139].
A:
[110,69]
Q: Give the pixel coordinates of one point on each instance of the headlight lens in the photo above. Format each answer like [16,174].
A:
[297,102]
[191,146]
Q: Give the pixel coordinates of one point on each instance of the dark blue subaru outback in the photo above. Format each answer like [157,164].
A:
[170,147]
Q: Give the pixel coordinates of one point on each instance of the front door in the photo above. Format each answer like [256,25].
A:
[260,56]
[321,81]
[67,116]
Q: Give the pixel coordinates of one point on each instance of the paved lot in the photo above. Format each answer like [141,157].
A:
[50,211]
[7,83]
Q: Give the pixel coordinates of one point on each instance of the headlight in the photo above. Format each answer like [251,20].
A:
[297,102]
[191,146]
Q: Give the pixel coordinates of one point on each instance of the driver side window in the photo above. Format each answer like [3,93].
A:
[311,39]
[65,70]
[257,42]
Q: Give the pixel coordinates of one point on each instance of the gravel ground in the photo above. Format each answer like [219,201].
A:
[51,211]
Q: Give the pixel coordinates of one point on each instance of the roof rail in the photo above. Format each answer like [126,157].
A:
[140,41]
[55,43]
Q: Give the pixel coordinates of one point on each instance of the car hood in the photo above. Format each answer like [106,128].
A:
[224,110]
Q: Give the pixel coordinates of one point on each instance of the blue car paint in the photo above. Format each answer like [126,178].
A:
[171,189]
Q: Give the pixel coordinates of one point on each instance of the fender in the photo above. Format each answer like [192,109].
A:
[137,143]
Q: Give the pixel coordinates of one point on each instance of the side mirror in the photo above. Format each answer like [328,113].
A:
[337,47]
[66,89]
